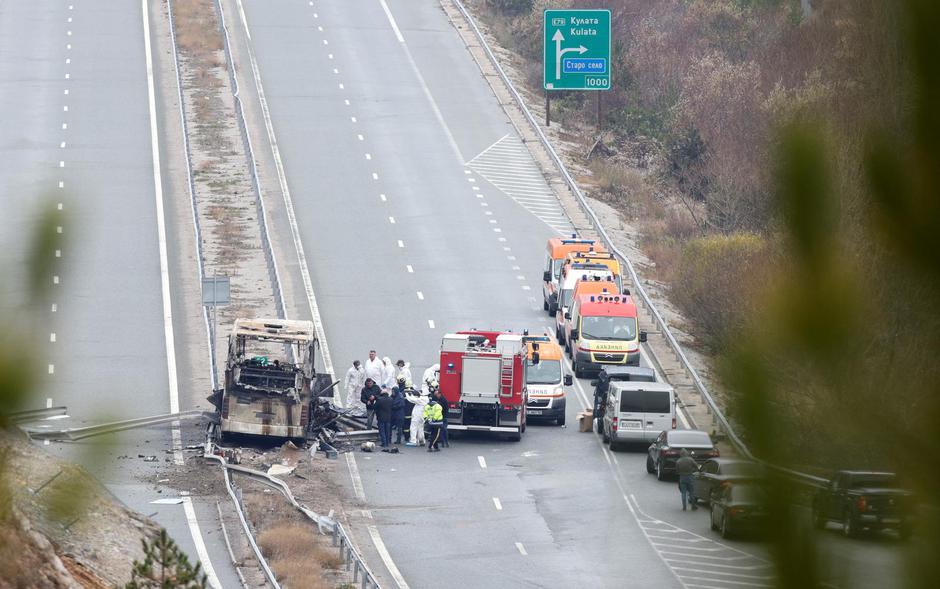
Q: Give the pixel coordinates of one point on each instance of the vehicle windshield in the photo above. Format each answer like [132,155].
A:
[545,372]
[688,437]
[875,480]
[644,402]
[608,328]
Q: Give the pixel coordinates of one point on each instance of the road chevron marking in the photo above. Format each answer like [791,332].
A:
[508,166]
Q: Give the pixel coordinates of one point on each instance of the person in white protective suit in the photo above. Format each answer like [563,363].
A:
[354,381]
[417,417]
[374,369]
[388,374]
[431,375]
[403,375]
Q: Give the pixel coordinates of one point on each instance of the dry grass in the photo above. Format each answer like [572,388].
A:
[298,554]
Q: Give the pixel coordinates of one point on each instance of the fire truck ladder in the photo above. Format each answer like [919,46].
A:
[506,373]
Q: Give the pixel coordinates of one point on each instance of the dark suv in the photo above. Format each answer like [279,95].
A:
[864,501]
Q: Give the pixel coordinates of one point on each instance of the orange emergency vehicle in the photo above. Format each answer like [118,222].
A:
[602,286]
[546,379]
[604,331]
[556,252]
[599,257]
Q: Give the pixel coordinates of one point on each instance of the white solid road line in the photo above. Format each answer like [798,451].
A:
[308,286]
[422,83]
[201,550]
[167,306]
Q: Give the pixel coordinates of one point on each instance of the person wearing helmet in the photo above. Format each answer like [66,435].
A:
[420,401]
[431,375]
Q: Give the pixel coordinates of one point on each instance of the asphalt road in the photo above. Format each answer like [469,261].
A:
[75,133]
[382,118]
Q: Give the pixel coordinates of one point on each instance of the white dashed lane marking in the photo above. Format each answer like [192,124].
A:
[508,166]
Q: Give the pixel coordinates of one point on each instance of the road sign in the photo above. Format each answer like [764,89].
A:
[215,291]
[577,50]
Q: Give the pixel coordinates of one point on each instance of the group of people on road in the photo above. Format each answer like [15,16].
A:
[385,391]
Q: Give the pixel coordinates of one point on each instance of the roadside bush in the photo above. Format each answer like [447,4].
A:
[718,281]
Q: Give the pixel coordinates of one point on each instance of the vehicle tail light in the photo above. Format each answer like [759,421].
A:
[711,454]
[614,424]
[862,504]
[673,423]
[225,402]
[735,511]
[670,452]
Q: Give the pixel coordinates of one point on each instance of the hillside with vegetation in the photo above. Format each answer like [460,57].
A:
[706,94]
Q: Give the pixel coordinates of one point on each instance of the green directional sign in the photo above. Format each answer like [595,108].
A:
[577,50]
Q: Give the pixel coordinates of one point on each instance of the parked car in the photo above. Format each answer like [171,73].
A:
[663,453]
[865,501]
[738,508]
[717,472]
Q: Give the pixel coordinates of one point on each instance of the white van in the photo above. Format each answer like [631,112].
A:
[638,412]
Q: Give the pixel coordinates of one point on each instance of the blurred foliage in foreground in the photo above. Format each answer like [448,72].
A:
[165,566]
[842,356]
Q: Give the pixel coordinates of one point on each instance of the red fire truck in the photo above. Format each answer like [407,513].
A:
[483,380]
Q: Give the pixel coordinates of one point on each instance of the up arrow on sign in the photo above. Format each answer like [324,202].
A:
[558,38]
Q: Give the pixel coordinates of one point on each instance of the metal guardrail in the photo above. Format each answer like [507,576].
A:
[30,415]
[80,433]
[699,385]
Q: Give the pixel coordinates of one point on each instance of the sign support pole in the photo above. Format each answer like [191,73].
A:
[598,94]
[548,109]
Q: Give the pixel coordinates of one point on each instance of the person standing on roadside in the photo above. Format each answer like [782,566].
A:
[433,416]
[388,374]
[686,469]
[383,411]
[373,368]
[370,393]
[439,397]
[398,413]
[417,418]
[354,381]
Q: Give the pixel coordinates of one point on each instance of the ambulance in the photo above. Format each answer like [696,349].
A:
[590,286]
[546,379]
[600,257]
[571,273]
[604,331]
[556,252]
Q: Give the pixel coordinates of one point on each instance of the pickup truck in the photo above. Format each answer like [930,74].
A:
[864,501]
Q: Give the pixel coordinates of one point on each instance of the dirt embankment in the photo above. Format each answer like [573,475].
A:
[59,527]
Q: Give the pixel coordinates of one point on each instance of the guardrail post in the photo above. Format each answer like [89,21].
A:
[356,572]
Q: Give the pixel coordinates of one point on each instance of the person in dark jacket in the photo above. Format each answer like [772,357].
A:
[383,411]
[398,412]
[439,397]
[368,397]
[686,469]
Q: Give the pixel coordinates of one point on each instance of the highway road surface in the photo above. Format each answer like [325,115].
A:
[76,134]
[421,212]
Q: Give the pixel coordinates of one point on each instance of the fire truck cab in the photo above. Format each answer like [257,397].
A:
[483,380]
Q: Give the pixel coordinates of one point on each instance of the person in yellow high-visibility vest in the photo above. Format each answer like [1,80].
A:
[434,418]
